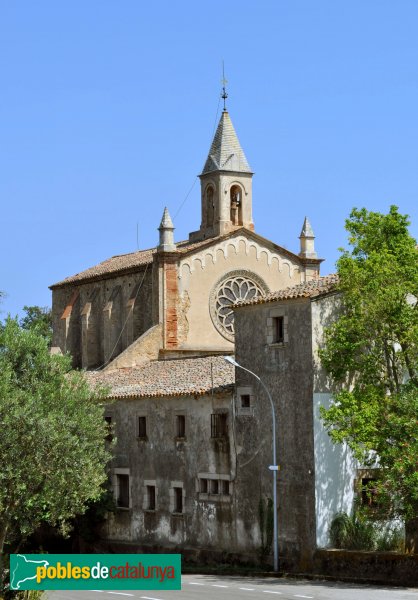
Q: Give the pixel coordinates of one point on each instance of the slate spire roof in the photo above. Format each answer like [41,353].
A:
[307,230]
[225,153]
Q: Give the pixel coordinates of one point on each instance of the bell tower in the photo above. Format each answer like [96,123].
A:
[226,185]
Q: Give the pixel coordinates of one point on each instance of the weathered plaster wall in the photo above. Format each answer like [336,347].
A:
[209,521]
[286,369]
[335,466]
[200,272]
[90,326]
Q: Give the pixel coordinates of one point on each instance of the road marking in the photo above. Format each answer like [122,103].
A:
[300,596]
[195,583]
[222,586]
[247,589]
[270,592]
[98,591]
[149,598]
[119,594]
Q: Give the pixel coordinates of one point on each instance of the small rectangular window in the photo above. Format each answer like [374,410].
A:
[150,497]
[278,330]
[122,490]
[142,427]
[178,499]
[245,401]
[368,491]
[181,426]
[218,425]
[109,429]
[203,486]
[225,487]
[214,486]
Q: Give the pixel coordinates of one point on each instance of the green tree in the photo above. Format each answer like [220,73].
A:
[39,318]
[371,354]
[52,441]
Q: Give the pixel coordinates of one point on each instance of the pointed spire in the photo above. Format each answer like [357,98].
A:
[307,230]
[225,153]
[307,241]
[166,230]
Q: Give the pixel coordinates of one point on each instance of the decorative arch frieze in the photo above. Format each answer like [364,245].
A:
[226,247]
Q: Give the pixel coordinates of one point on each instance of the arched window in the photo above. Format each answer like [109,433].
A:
[236,205]
[210,207]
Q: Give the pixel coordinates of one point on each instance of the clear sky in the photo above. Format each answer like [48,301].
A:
[107,110]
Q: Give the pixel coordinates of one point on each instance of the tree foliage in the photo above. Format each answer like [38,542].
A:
[52,435]
[39,318]
[371,354]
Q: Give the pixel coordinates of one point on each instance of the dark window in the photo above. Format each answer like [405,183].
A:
[278,329]
[203,486]
[181,426]
[214,486]
[218,424]
[109,429]
[225,487]
[142,427]
[245,401]
[150,497]
[368,491]
[122,490]
[178,500]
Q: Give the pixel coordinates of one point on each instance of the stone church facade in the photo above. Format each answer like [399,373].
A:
[154,326]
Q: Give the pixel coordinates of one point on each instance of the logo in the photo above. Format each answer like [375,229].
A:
[95,571]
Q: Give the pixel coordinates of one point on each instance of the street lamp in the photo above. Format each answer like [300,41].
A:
[272,467]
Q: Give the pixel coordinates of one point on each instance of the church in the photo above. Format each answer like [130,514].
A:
[190,462]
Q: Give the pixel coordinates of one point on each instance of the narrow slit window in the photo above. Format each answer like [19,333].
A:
[178,500]
[142,427]
[150,497]
[122,491]
[218,425]
[181,426]
[203,486]
[278,330]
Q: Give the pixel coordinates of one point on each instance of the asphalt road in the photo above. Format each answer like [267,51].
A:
[210,587]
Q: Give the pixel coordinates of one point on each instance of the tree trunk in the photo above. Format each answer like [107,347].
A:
[411,536]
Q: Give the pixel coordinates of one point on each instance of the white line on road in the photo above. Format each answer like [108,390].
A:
[300,596]
[270,592]
[222,586]
[195,583]
[247,589]
[149,598]
[119,594]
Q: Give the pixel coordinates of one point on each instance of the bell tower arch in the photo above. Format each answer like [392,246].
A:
[226,185]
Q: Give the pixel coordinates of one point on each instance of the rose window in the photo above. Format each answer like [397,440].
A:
[226,294]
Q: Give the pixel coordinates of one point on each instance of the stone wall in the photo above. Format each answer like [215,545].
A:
[164,460]
[96,321]
[286,370]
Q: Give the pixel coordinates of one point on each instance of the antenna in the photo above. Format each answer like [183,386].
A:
[224,82]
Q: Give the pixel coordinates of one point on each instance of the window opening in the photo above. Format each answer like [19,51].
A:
[109,429]
[122,491]
[178,499]
[181,426]
[218,425]
[150,497]
[225,487]
[278,330]
[142,427]
[245,401]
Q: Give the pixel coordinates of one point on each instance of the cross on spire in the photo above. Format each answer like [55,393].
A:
[224,94]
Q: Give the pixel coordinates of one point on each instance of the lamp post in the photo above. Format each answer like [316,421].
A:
[272,467]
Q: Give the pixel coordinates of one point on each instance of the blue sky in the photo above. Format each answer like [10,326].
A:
[108,109]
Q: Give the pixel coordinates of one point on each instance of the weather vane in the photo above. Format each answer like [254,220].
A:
[224,82]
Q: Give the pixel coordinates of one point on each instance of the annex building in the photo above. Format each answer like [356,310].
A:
[190,469]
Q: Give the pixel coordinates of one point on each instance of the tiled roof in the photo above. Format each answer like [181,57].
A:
[124,262]
[309,289]
[182,377]
[225,153]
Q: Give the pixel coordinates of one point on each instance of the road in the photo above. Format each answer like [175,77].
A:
[210,587]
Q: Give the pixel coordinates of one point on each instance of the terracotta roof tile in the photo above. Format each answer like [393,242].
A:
[125,262]
[182,377]
[309,289]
